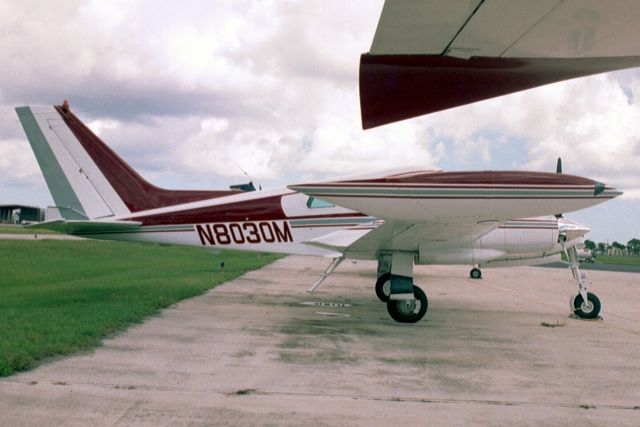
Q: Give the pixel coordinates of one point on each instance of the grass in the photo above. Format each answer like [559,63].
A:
[612,259]
[619,260]
[21,229]
[60,297]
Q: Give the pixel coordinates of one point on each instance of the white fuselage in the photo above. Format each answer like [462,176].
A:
[515,241]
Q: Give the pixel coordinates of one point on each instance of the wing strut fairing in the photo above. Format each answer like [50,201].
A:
[432,55]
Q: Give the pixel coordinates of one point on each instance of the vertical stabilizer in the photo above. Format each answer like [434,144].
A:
[87,179]
[79,189]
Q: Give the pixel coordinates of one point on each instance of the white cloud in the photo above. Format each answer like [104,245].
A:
[590,122]
[186,91]
[18,166]
[98,126]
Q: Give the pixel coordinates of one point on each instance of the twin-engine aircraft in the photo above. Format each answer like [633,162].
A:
[400,219]
[426,56]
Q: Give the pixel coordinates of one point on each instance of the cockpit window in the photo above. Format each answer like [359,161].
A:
[313,203]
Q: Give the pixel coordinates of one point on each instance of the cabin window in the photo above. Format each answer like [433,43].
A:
[313,203]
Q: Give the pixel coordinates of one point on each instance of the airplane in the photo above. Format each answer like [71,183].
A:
[399,218]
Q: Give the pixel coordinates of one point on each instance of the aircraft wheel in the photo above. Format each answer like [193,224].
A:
[383,287]
[406,311]
[586,310]
[475,273]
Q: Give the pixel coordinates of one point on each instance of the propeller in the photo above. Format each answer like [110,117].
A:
[559,170]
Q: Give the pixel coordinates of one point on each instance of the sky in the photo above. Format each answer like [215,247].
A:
[194,94]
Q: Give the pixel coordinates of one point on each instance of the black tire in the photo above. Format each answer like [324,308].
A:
[409,311]
[588,311]
[475,273]
[381,292]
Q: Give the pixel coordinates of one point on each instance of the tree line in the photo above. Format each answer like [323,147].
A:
[632,246]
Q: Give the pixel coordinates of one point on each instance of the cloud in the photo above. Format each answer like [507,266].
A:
[192,93]
[18,166]
[593,123]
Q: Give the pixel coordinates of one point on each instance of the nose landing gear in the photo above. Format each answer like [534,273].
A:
[588,309]
[585,305]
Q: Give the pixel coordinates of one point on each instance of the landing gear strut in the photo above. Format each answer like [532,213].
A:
[585,305]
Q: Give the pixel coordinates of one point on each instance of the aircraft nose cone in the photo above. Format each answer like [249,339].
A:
[615,192]
[601,189]
[572,229]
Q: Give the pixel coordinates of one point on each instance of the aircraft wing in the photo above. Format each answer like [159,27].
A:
[431,55]
[364,242]
[396,235]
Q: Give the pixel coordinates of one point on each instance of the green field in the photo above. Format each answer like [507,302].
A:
[20,229]
[613,260]
[59,297]
[618,260]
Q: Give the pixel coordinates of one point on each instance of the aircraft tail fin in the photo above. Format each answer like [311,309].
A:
[86,178]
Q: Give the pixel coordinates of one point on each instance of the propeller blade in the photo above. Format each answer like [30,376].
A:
[559,170]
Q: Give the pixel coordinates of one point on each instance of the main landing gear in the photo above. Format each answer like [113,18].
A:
[406,302]
[383,287]
[475,273]
[405,311]
[409,311]
[585,305]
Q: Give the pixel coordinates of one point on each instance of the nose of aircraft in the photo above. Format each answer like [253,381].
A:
[572,229]
[601,188]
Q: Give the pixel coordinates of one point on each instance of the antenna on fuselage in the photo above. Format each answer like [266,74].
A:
[245,187]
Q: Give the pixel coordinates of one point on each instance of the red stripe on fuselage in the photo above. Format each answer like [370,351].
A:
[258,209]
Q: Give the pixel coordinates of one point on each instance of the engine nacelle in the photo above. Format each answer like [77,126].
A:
[458,256]
[523,236]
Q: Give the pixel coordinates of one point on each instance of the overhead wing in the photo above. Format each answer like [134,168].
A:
[432,55]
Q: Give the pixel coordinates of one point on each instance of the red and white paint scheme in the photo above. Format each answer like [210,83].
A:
[401,219]
[426,56]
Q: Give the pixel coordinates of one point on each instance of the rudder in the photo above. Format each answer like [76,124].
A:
[77,186]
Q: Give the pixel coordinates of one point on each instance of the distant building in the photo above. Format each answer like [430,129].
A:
[20,214]
[611,251]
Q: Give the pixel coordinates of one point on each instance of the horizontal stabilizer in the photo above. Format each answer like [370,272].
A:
[85,227]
